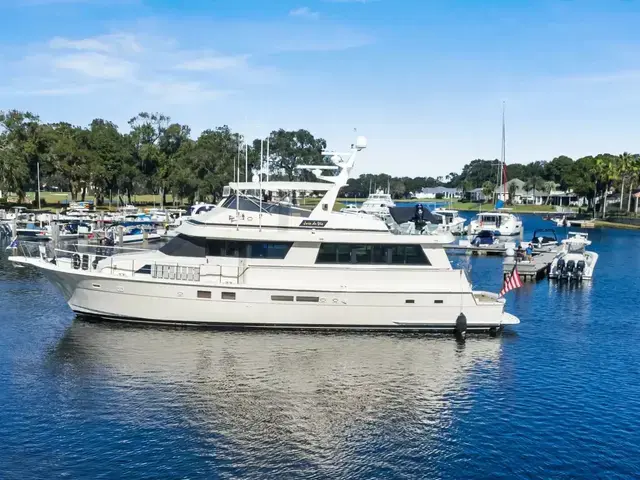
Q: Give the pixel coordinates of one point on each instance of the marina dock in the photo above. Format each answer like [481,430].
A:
[497,250]
[531,270]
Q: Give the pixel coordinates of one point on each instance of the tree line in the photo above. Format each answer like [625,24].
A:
[161,157]
[154,156]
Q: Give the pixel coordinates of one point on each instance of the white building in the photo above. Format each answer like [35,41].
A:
[522,196]
[439,192]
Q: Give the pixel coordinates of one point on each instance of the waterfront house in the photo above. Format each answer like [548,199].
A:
[476,195]
[555,197]
[439,192]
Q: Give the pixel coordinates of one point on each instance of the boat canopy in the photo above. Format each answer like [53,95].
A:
[403,215]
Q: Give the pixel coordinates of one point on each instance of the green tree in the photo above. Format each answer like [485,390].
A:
[512,192]
[487,190]
[110,158]
[548,187]
[606,171]
[24,147]
[625,165]
[535,184]
[288,149]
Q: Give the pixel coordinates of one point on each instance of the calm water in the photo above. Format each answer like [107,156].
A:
[557,397]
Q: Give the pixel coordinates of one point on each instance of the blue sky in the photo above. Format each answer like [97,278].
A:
[423,80]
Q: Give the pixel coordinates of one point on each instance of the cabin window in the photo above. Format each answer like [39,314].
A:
[282,298]
[307,299]
[372,254]
[184,246]
[361,254]
[240,249]
[228,295]
[145,269]
[204,294]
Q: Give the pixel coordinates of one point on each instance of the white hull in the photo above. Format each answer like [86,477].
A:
[455,228]
[590,259]
[507,230]
[139,238]
[156,301]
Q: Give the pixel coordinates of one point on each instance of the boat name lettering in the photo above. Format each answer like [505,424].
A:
[313,223]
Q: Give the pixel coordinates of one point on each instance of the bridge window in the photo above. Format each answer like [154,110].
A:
[184,246]
[242,249]
[372,254]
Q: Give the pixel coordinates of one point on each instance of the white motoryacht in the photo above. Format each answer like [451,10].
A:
[500,222]
[451,221]
[573,261]
[249,264]
[378,204]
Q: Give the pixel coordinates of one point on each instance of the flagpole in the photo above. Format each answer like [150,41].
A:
[260,182]
[237,175]
[246,162]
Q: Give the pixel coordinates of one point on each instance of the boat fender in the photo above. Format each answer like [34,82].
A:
[76,261]
[461,325]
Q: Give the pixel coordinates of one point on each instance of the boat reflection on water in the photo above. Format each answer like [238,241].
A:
[261,398]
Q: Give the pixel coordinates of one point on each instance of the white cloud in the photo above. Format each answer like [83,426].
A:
[305,12]
[103,43]
[96,65]
[211,63]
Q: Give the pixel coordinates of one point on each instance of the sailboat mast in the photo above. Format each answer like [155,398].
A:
[504,157]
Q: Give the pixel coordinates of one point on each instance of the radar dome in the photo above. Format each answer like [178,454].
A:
[361,142]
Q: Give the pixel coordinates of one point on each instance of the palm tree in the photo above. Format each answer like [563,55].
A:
[548,187]
[534,183]
[634,171]
[512,192]
[625,161]
[487,189]
[606,171]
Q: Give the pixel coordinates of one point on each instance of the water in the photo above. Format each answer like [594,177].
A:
[556,397]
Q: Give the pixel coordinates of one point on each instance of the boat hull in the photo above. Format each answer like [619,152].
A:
[242,306]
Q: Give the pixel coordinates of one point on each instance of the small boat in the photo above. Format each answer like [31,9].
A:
[573,262]
[31,232]
[500,222]
[131,234]
[378,204]
[484,238]
[451,221]
[544,240]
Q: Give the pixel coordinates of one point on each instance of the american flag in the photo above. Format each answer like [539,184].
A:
[511,282]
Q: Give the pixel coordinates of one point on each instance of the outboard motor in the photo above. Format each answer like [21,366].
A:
[571,265]
[579,271]
[560,267]
[418,217]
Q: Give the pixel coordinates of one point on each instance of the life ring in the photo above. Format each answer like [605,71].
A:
[76,261]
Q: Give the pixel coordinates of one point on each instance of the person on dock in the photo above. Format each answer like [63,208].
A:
[529,252]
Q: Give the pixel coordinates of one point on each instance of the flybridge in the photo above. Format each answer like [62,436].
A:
[331,184]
